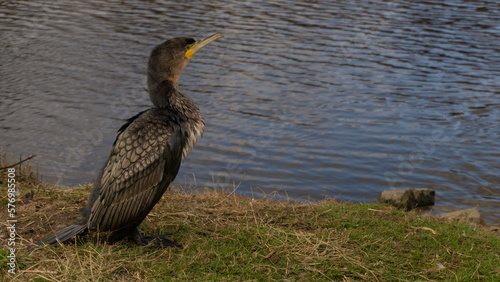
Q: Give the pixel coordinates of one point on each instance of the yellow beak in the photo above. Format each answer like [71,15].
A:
[193,48]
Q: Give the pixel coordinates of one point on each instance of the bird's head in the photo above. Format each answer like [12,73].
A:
[168,59]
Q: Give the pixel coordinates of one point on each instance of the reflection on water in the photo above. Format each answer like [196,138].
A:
[340,99]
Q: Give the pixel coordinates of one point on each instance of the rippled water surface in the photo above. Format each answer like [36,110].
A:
[324,98]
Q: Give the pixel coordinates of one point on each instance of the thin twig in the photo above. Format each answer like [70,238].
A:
[19,162]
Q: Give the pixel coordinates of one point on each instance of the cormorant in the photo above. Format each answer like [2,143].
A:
[146,154]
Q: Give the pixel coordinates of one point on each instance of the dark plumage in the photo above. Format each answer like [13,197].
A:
[146,154]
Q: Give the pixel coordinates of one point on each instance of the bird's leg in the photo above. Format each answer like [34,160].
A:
[157,240]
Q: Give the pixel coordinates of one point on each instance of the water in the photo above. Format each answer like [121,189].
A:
[314,99]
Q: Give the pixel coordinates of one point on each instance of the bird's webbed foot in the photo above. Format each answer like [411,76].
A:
[160,241]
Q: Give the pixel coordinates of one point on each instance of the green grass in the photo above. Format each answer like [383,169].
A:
[227,237]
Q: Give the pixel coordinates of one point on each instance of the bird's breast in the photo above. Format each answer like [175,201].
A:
[195,129]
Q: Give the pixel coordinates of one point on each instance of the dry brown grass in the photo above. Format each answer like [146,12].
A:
[229,237]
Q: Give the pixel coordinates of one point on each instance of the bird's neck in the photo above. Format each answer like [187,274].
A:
[166,95]
[163,94]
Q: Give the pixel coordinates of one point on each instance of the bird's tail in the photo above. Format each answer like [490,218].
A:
[63,235]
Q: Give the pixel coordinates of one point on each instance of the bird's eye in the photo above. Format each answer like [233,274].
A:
[189,46]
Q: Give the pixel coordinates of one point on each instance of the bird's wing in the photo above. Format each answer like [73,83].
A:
[145,158]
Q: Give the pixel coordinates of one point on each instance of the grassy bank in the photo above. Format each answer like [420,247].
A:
[228,237]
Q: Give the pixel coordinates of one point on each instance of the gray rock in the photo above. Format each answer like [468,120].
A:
[469,215]
[408,199]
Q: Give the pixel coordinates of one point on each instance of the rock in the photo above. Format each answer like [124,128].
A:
[408,199]
[469,215]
